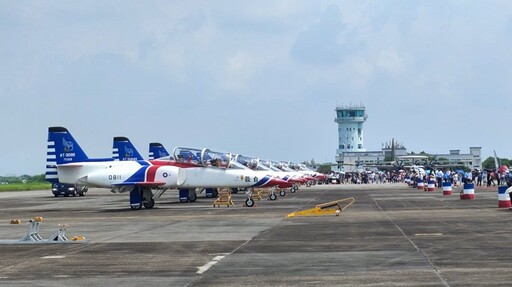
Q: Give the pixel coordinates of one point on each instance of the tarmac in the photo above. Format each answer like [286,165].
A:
[393,235]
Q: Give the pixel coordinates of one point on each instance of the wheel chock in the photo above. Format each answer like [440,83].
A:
[77,238]
[33,236]
[327,208]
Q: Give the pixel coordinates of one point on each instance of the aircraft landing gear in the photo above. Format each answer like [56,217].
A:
[192,196]
[282,192]
[249,202]
[188,195]
[149,203]
[272,196]
[136,206]
[212,192]
[184,193]
[136,198]
[147,198]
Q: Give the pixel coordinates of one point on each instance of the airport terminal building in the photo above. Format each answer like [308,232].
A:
[351,152]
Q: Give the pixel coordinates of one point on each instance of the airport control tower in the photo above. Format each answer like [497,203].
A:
[350,121]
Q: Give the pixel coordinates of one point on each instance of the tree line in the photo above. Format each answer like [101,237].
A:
[23,179]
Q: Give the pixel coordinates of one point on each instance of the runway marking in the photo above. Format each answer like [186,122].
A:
[428,234]
[53,257]
[209,265]
[437,271]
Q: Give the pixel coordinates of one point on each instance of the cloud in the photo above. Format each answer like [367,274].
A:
[187,72]
[321,43]
[239,69]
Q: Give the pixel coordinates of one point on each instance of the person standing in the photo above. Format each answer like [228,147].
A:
[439,178]
[479,177]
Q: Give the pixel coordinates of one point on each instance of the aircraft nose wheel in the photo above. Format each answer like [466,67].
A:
[282,192]
[272,196]
[249,202]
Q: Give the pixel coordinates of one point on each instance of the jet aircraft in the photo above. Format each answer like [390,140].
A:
[68,163]
[200,169]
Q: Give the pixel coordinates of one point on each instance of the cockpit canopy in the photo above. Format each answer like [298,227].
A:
[205,157]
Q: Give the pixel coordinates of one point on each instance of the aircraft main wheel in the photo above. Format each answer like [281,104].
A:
[183,200]
[136,207]
[149,204]
[83,191]
[249,202]
[282,192]
[192,197]
[308,184]
[272,196]
[293,190]
[215,193]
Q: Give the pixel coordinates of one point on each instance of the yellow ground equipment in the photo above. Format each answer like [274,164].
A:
[224,198]
[327,208]
[33,236]
[257,192]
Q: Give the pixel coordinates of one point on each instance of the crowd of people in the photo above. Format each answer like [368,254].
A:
[456,177]
[369,177]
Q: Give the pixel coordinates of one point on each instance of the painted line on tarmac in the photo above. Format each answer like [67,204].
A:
[436,270]
[210,264]
[428,234]
[53,257]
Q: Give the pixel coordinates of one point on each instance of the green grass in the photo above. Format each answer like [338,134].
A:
[25,186]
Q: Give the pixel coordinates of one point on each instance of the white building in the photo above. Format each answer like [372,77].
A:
[350,121]
[471,160]
[351,152]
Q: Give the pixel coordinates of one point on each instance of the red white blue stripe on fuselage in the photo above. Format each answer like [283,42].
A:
[145,175]
[263,181]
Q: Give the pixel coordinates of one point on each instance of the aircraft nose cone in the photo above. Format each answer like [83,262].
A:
[280,183]
[277,182]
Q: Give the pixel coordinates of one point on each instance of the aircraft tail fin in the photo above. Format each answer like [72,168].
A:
[123,149]
[62,148]
[157,150]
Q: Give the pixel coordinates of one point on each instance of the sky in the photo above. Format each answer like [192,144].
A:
[260,78]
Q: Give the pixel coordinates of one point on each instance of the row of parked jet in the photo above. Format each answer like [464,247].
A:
[190,170]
